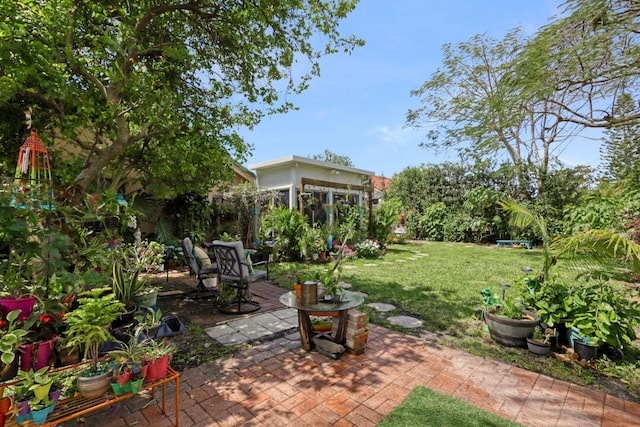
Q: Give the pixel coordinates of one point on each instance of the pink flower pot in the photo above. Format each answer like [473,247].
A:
[24,304]
[37,355]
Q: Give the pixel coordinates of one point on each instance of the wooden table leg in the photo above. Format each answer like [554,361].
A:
[342,327]
[304,324]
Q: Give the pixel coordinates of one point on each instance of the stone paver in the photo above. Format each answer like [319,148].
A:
[405,321]
[382,307]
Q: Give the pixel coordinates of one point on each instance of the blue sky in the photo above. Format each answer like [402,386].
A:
[357,106]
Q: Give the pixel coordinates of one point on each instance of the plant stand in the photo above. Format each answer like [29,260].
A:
[77,406]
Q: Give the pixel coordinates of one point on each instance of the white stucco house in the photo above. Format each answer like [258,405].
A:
[314,186]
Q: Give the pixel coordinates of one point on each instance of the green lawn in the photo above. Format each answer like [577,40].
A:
[441,283]
[424,407]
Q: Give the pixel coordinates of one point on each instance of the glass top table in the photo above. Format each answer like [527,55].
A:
[349,300]
[339,309]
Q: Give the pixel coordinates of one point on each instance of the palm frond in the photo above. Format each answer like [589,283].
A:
[597,247]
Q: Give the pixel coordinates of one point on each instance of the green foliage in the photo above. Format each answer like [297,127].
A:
[313,240]
[586,52]
[350,222]
[384,218]
[603,311]
[89,323]
[191,215]
[140,103]
[11,338]
[125,286]
[286,226]
[551,300]
[331,157]
[621,150]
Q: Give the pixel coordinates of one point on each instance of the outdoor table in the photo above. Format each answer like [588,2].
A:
[349,300]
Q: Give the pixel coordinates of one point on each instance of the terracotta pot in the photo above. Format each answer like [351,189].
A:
[5,405]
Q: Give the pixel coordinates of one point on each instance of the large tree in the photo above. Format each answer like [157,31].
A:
[160,87]
[591,51]
[475,103]
[621,150]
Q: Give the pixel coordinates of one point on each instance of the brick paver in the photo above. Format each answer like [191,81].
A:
[361,390]
[276,383]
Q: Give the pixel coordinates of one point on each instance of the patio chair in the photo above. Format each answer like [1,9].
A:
[201,271]
[237,273]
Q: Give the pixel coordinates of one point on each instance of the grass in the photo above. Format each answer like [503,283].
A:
[441,283]
[425,407]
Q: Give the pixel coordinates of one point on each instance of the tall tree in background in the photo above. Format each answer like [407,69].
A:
[591,51]
[474,103]
[160,87]
[331,157]
[621,150]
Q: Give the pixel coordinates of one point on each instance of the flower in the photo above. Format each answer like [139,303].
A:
[368,248]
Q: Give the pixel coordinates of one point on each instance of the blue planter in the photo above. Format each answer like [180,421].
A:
[40,416]
[573,333]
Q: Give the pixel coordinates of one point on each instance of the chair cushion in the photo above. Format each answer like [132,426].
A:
[202,257]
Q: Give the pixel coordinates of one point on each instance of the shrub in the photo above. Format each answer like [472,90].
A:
[368,249]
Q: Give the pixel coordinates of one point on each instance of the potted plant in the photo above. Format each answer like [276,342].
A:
[312,242]
[89,329]
[586,348]
[509,323]
[601,311]
[40,409]
[11,337]
[157,354]
[149,321]
[540,343]
[143,256]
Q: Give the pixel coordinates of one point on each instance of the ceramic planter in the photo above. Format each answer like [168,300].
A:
[90,387]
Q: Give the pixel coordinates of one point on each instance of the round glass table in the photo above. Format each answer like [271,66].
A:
[328,308]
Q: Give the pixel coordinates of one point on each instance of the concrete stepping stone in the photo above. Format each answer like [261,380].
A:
[379,306]
[405,321]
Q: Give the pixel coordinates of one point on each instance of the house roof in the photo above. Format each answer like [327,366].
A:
[292,159]
[243,172]
[380,182]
